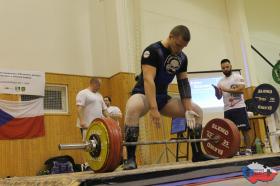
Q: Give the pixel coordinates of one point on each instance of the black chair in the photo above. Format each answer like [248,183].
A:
[179,127]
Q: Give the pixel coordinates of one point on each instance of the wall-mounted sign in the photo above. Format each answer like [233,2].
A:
[22,82]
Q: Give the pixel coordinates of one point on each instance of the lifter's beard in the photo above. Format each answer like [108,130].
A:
[227,73]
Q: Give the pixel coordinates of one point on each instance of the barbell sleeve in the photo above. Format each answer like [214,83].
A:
[72,146]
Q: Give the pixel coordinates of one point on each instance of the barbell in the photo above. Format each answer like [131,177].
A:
[103,145]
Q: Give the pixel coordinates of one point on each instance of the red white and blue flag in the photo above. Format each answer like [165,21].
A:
[21,119]
[257,172]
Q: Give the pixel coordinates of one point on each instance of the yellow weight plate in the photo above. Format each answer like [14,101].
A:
[99,129]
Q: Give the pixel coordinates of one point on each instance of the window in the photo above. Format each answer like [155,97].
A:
[55,100]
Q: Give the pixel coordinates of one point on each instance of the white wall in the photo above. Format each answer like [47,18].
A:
[263,23]
[82,37]
[207,21]
[103,37]
[50,36]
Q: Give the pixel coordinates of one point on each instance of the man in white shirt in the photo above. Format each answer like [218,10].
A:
[90,105]
[231,88]
[114,111]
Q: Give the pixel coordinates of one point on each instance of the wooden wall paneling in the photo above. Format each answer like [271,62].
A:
[26,157]
[257,130]
[143,152]
[251,134]
[154,154]
[248,92]
[121,85]
[67,132]
[260,130]
[9,97]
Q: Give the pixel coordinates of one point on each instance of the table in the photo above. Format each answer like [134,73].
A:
[256,120]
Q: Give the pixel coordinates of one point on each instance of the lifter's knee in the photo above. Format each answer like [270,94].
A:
[131,120]
[136,107]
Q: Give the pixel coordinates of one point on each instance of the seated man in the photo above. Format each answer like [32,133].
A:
[161,61]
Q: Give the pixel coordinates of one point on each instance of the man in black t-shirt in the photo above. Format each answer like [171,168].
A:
[160,62]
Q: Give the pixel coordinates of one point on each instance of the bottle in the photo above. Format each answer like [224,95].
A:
[266,147]
[258,146]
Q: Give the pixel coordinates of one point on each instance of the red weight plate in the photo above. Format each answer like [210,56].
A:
[117,143]
[109,146]
[229,138]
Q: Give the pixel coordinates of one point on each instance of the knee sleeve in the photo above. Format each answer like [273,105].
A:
[131,133]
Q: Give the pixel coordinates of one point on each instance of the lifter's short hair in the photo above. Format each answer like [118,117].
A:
[94,80]
[225,61]
[182,31]
[107,98]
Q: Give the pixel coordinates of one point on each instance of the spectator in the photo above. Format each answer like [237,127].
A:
[114,111]
[90,105]
[231,88]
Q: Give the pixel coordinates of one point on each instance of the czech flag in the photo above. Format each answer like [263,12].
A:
[21,119]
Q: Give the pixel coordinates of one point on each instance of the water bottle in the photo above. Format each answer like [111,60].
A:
[266,147]
[258,146]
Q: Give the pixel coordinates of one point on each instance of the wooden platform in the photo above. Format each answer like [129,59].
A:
[148,175]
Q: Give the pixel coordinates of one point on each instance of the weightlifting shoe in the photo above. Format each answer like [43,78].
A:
[130,164]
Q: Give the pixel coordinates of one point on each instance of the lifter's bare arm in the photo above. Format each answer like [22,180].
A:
[80,116]
[149,73]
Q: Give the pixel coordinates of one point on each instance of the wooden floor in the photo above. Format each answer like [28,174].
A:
[146,175]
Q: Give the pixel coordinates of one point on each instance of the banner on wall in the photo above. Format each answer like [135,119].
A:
[21,119]
[22,82]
